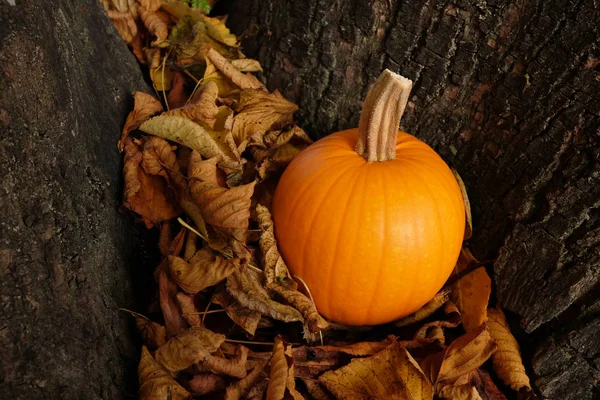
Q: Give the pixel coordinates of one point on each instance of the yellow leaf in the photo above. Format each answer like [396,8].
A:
[471,293]
[239,389]
[155,25]
[192,135]
[507,359]
[259,112]
[153,334]
[144,106]
[189,347]
[429,308]
[204,270]
[220,207]
[155,382]
[390,374]
[469,218]
[226,86]
[247,65]
[235,367]
[460,392]
[188,309]
[218,31]
[202,108]
[232,73]
[162,78]
[246,289]
[247,319]
[180,10]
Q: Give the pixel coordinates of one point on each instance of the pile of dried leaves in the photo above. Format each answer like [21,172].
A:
[202,159]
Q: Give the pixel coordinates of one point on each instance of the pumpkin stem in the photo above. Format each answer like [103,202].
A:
[380,117]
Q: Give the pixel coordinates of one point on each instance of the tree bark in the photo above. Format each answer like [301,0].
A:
[507,92]
[66,255]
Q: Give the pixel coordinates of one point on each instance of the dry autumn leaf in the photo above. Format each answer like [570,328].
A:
[246,289]
[471,293]
[507,359]
[281,375]
[389,374]
[155,382]
[460,392]
[174,321]
[177,96]
[429,308]
[244,317]
[144,106]
[218,31]
[144,194]
[239,389]
[260,112]
[188,310]
[469,218]
[203,107]
[154,335]
[232,73]
[246,65]
[202,384]
[155,25]
[192,135]
[235,367]
[204,270]
[189,347]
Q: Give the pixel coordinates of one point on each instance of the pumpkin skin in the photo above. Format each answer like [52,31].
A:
[374,241]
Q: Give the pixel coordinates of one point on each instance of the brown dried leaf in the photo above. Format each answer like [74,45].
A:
[146,195]
[220,207]
[247,65]
[226,87]
[390,374]
[125,24]
[188,309]
[471,293]
[162,78]
[144,106]
[189,347]
[177,96]
[247,319]
[151,5]
[429,308]
[206,383]
[239,389]
[155,25]
[485,385]
[258,391]
[206,270]
[281,375]
[153,334]
[203,107]
[469,219]
[192,135]
[165,239]
[507,359]
[315,390]
[235,367]
[246,289]
[159,158]
[459,392]
[190,246]
[231,72]
[260,112]
[155,382]
[435,330]
[174,322]
[279,147]
[360,348]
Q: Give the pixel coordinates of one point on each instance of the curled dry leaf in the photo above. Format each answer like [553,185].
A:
[471,293]
[281,375]
[507,359]
[459,392]
[165,239]
[485,386]
[315,390]
[246,289]
[174,321]
[435,330]
[389,374]
[259,112]
[469,219]
[155,25]
[150,5]
[464,355]
[258,391]
[192,135]
[125,24]
[205,270]
[188,309]
[155,382]
[235,367]
[220,207]
[159,158]
[231,72]
[203,107]
[247,65]
[239,389]
[189,347]
[144,194]
[429,308]
[177,96]
[206,383]
[360,348]
[144,106]
[153,334]
[247,319]
[274,145]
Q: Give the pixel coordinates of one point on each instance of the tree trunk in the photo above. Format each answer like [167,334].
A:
[66,255]
[508,93]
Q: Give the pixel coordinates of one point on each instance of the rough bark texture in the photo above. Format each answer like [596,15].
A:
[508,92]
[65,252]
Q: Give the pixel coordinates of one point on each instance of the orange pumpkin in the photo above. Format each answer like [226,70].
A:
[372,219]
